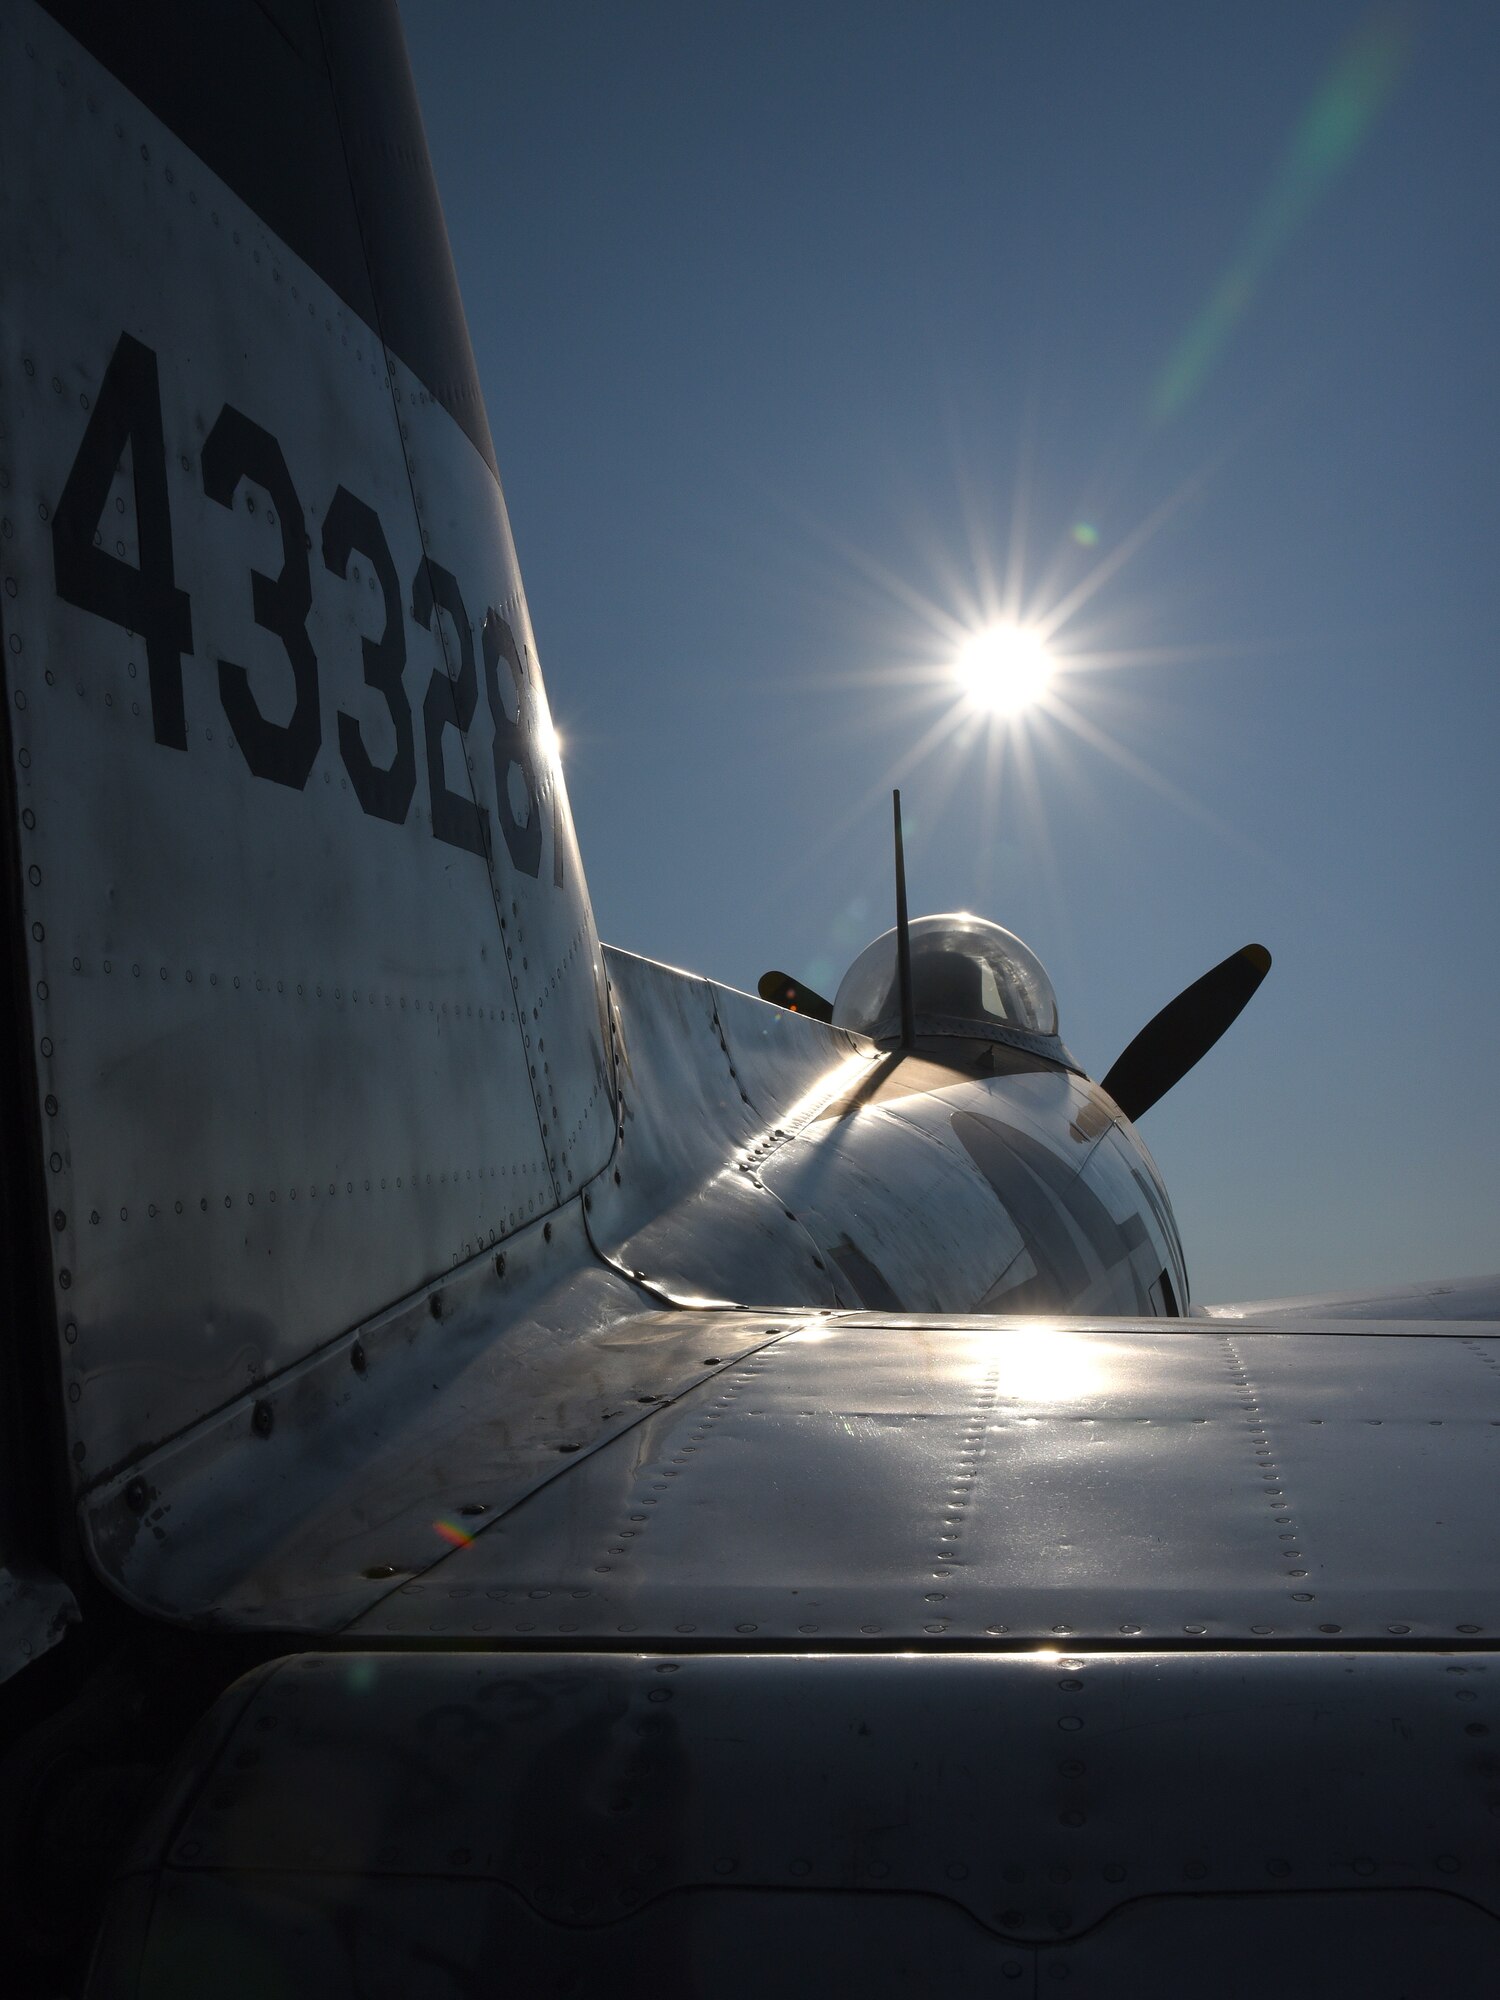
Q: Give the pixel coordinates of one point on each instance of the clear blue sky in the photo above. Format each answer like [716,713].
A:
[781,310]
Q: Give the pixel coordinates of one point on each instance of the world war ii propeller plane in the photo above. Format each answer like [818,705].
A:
[525,1470]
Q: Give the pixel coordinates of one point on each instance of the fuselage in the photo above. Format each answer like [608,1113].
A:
[958,1175]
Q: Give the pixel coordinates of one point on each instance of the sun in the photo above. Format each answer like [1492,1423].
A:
[1004,668]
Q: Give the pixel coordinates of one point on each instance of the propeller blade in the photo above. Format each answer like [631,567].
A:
[1185,1030]
[783,991]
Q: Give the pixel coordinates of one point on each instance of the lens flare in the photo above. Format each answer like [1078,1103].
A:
[1005,668]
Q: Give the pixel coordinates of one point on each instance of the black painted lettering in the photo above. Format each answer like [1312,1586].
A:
[143,597]
[513,744]
[238,449]
[449,704]
[384,793]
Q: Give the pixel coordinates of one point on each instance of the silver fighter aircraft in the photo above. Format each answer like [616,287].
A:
[522,1470]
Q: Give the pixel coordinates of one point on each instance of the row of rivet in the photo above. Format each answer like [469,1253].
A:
[653,1480]
[142,150]
[1269,1475]
[961,1491]
[460,1010]
[1220,1632]
[383,1184]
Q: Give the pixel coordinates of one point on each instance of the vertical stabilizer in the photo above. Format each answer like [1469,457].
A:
[310,997]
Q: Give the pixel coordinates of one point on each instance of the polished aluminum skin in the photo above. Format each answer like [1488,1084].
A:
[295,1056]
[461,1823]
[1024,1482]
[762,1154]
[746,1505]
[319,1015]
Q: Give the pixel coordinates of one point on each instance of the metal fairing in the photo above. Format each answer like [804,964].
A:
[680,1205]
[375,1825]
[316,997]
[358,1472]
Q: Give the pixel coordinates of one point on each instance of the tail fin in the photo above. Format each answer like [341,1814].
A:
[313,1001]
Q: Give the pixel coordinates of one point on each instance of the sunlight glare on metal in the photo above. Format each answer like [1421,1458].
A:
[1052,1365]
[1004,669]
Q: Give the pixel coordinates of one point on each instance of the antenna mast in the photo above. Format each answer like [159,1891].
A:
[903,933]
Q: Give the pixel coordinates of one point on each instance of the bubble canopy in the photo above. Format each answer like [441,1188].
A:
[969,977]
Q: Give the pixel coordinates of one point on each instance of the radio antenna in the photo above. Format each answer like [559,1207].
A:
[903,933]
